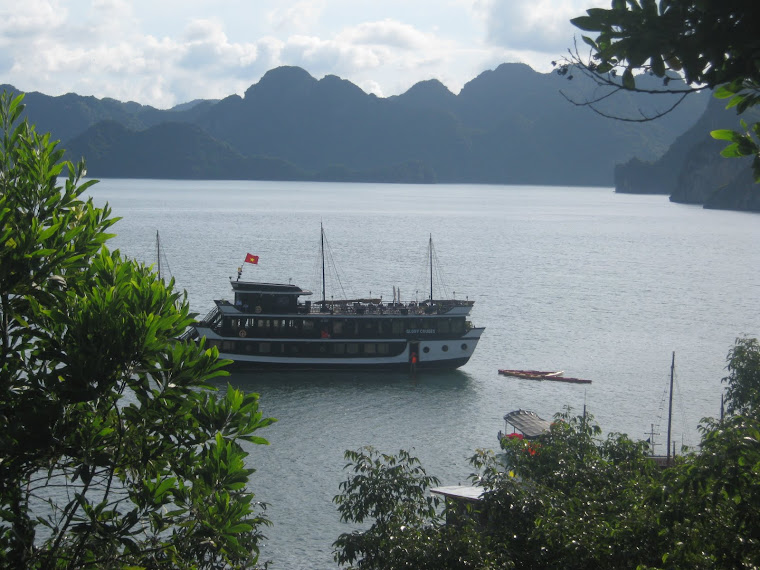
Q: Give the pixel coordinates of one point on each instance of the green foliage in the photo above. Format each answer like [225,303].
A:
[576,502]
[707,509]
[743,380]
[392,491]
[114,453]
[574,499]
[407,529]
[710,44]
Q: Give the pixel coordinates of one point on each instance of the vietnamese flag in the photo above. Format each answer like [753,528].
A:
[250,258]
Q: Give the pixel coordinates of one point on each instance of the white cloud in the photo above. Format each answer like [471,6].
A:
[164,52]
[30,18]
[535,25]
[206,45]
[300,16]
[389,33]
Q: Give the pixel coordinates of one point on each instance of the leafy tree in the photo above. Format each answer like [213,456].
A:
[706,511]
[113,451]
[574,499]
[710,44]
[392,491]
[743,380]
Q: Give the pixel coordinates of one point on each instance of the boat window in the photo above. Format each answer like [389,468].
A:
[398,326]
[457,326]
[464,346]
[265,347]
[281,301]
[426,349]
[444,325]
[308,325]
[337,327]
[380,327]
[339,348]
[227,345]
[352,348]
[262,323]
[383,348]
[445,348]
[370,348]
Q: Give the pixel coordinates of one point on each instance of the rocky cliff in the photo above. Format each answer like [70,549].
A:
[692,171]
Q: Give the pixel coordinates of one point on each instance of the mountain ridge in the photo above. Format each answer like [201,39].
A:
[508,125]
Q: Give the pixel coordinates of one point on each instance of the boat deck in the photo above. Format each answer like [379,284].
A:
[353,308]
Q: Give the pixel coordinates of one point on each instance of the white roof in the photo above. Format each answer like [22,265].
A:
[468,493]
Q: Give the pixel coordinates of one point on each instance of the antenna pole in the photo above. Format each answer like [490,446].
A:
[158,253]
[670,404]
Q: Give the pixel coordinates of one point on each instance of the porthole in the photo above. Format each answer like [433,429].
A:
[426,349]
[464,346]
[445,348]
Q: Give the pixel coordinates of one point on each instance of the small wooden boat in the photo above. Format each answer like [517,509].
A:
[531,373]
[525,424]
[541,375]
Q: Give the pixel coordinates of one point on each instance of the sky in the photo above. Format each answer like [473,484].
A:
[167,52]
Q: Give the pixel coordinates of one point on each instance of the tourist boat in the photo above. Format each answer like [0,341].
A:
[269,325]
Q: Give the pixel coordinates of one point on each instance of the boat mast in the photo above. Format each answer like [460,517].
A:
[322,251]
[670,403]
[430,253]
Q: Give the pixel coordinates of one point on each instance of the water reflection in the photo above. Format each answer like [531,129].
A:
[265,380]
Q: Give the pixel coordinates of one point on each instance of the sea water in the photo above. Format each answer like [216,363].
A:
[601,285]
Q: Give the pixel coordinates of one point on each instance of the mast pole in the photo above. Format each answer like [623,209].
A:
[158,253]
[430,253]
[322,250]
[670,403]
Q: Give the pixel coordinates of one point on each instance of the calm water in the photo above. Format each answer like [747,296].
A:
[601,285]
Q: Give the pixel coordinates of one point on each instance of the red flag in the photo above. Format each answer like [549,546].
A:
[250,258]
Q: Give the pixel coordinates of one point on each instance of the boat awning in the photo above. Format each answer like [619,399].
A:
[527,422]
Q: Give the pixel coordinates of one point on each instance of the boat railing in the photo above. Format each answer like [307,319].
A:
[209,318]
[356,308]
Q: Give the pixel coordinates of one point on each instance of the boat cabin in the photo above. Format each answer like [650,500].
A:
[269,298]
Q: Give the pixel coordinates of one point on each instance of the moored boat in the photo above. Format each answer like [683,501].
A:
[530,373]
[270,325]
[525,425]
[541,375]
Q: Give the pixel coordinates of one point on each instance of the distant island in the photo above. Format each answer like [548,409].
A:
[510,125]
